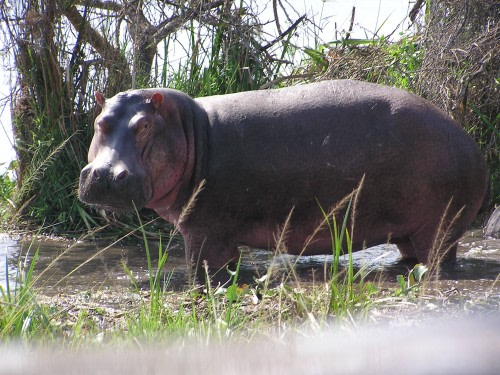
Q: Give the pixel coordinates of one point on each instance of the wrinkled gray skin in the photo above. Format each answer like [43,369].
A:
[492,229]
[265,154]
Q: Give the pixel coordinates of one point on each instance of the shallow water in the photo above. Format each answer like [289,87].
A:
[59,267]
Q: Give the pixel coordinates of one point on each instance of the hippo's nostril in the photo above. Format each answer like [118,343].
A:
[122,175]
[97,173]
[100,173]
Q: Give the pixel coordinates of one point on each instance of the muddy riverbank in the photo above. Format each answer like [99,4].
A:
[89,275]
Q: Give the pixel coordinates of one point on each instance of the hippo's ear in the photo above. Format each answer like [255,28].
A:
[157,100]
[99,98]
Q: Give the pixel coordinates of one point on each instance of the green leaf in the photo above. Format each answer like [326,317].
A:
[416,274]
[235,292]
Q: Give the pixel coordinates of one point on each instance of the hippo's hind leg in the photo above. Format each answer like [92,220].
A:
[429,245]
[427,254]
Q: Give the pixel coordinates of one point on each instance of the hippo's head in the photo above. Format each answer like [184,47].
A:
[138,153]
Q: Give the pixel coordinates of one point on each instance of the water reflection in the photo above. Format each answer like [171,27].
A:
[9,252]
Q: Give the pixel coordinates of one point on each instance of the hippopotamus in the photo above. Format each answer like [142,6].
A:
[247,168]
[492,229]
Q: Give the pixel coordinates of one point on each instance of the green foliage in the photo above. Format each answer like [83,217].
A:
[233,62]
[405,59]
[46,197]
[6,191]
[316,58]
[413,282]
[152,315]
[157,318]
[348,290]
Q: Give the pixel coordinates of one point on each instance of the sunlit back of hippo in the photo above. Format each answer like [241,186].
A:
[264,156]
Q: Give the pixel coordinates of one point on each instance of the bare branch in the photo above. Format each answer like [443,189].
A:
[276,18]
[174,23]
[107,5]
[112,57]
[283,34]
[89,35]
[351,24]
[416,8]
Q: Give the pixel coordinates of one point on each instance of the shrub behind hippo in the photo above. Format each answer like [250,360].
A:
[264,155]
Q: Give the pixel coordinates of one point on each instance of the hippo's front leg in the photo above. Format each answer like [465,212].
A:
[218,252]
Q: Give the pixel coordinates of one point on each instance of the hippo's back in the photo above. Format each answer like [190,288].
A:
[339,126]
[339,94]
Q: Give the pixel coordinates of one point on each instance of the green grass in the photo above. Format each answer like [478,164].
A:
[204,312]
[277,304]
[21,317]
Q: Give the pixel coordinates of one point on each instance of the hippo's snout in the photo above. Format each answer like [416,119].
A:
[111,186]
[107,174]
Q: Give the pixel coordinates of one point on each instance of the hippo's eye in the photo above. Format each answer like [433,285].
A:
[142,128]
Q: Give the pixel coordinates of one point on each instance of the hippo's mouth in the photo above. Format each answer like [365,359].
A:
[113,208]
[112,203]
[109,194]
